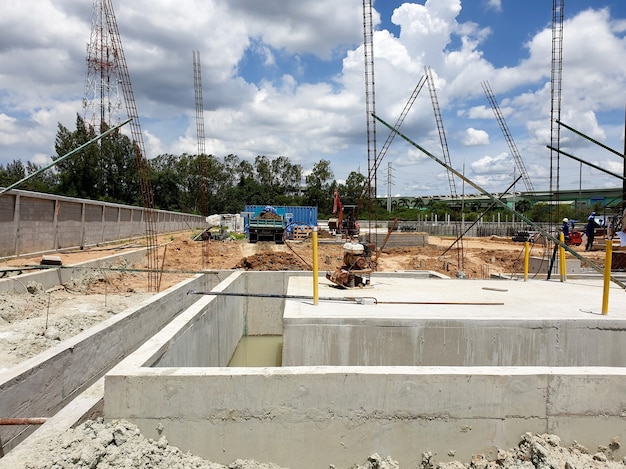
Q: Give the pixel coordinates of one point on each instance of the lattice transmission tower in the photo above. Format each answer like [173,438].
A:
[107,72]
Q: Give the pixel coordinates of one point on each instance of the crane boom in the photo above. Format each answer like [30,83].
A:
[507,135]
[446,157]
[442,133]
[405,111]
[391,136]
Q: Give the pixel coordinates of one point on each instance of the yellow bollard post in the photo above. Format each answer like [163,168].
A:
[315,268]
[526,259]
[607,276]
[562,264]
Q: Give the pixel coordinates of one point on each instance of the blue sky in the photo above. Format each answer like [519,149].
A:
[285,78]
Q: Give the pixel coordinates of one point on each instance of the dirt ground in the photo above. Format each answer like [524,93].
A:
[180,256]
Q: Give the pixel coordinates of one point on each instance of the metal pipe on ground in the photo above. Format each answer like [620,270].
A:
[275,295]
[356,300]
[23,421]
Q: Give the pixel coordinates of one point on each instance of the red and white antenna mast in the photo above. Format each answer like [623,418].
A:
[102,102]
[106,73]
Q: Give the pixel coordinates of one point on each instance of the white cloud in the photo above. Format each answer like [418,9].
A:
[490,165]
[495,4]
[285,112]
[475,137]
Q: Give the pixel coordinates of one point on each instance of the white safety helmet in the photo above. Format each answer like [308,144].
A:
[565,220]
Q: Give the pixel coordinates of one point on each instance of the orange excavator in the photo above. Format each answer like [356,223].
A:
[346,222]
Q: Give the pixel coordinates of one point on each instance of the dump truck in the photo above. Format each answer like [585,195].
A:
[267,225]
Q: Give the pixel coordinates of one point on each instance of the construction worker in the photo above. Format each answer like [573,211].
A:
[590,231]
[565,229]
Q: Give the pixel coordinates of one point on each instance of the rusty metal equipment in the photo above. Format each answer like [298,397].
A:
[357,265]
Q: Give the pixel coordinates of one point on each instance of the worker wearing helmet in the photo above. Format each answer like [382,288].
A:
[590,231]
[565,229]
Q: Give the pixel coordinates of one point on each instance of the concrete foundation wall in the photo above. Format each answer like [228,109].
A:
[443,342]
[315,416]
[208,332]
[311,417]
[51,276]
[42,385]
[403,239]
[265,315]
[539,265]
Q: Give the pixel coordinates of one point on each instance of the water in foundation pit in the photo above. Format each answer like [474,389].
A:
[258,350]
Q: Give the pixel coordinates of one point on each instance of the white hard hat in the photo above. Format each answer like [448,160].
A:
[565,220]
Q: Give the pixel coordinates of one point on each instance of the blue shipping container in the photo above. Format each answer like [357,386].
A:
[298,215]
[304,215]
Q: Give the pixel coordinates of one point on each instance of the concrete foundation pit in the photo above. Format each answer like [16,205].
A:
[411,364]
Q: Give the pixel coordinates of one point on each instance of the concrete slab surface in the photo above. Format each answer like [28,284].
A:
[455,298]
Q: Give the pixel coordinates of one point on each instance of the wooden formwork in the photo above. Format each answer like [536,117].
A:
[301,232]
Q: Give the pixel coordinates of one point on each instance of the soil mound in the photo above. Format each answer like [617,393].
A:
[271,261]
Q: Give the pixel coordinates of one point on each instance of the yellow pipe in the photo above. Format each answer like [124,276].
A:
[526,259]
[315,268]
[562,265]
[607,276]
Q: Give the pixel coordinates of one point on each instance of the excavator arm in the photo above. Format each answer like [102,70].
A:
[338,209]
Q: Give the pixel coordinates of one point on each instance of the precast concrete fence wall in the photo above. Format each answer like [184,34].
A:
[35,222]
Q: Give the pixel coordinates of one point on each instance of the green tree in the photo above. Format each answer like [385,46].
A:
[105,170]
[119,174]
[418,203]
[81,174]
[289,176]
[12,173]
[522,205]
[318,191]
[165,182]
[354,189]
[45,181]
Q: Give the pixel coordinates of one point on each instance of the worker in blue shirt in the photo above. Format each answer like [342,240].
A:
[565,229]
[590,231]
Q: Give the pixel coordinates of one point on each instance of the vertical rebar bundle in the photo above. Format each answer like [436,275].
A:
[370,107]
[197,81]
[555,109]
